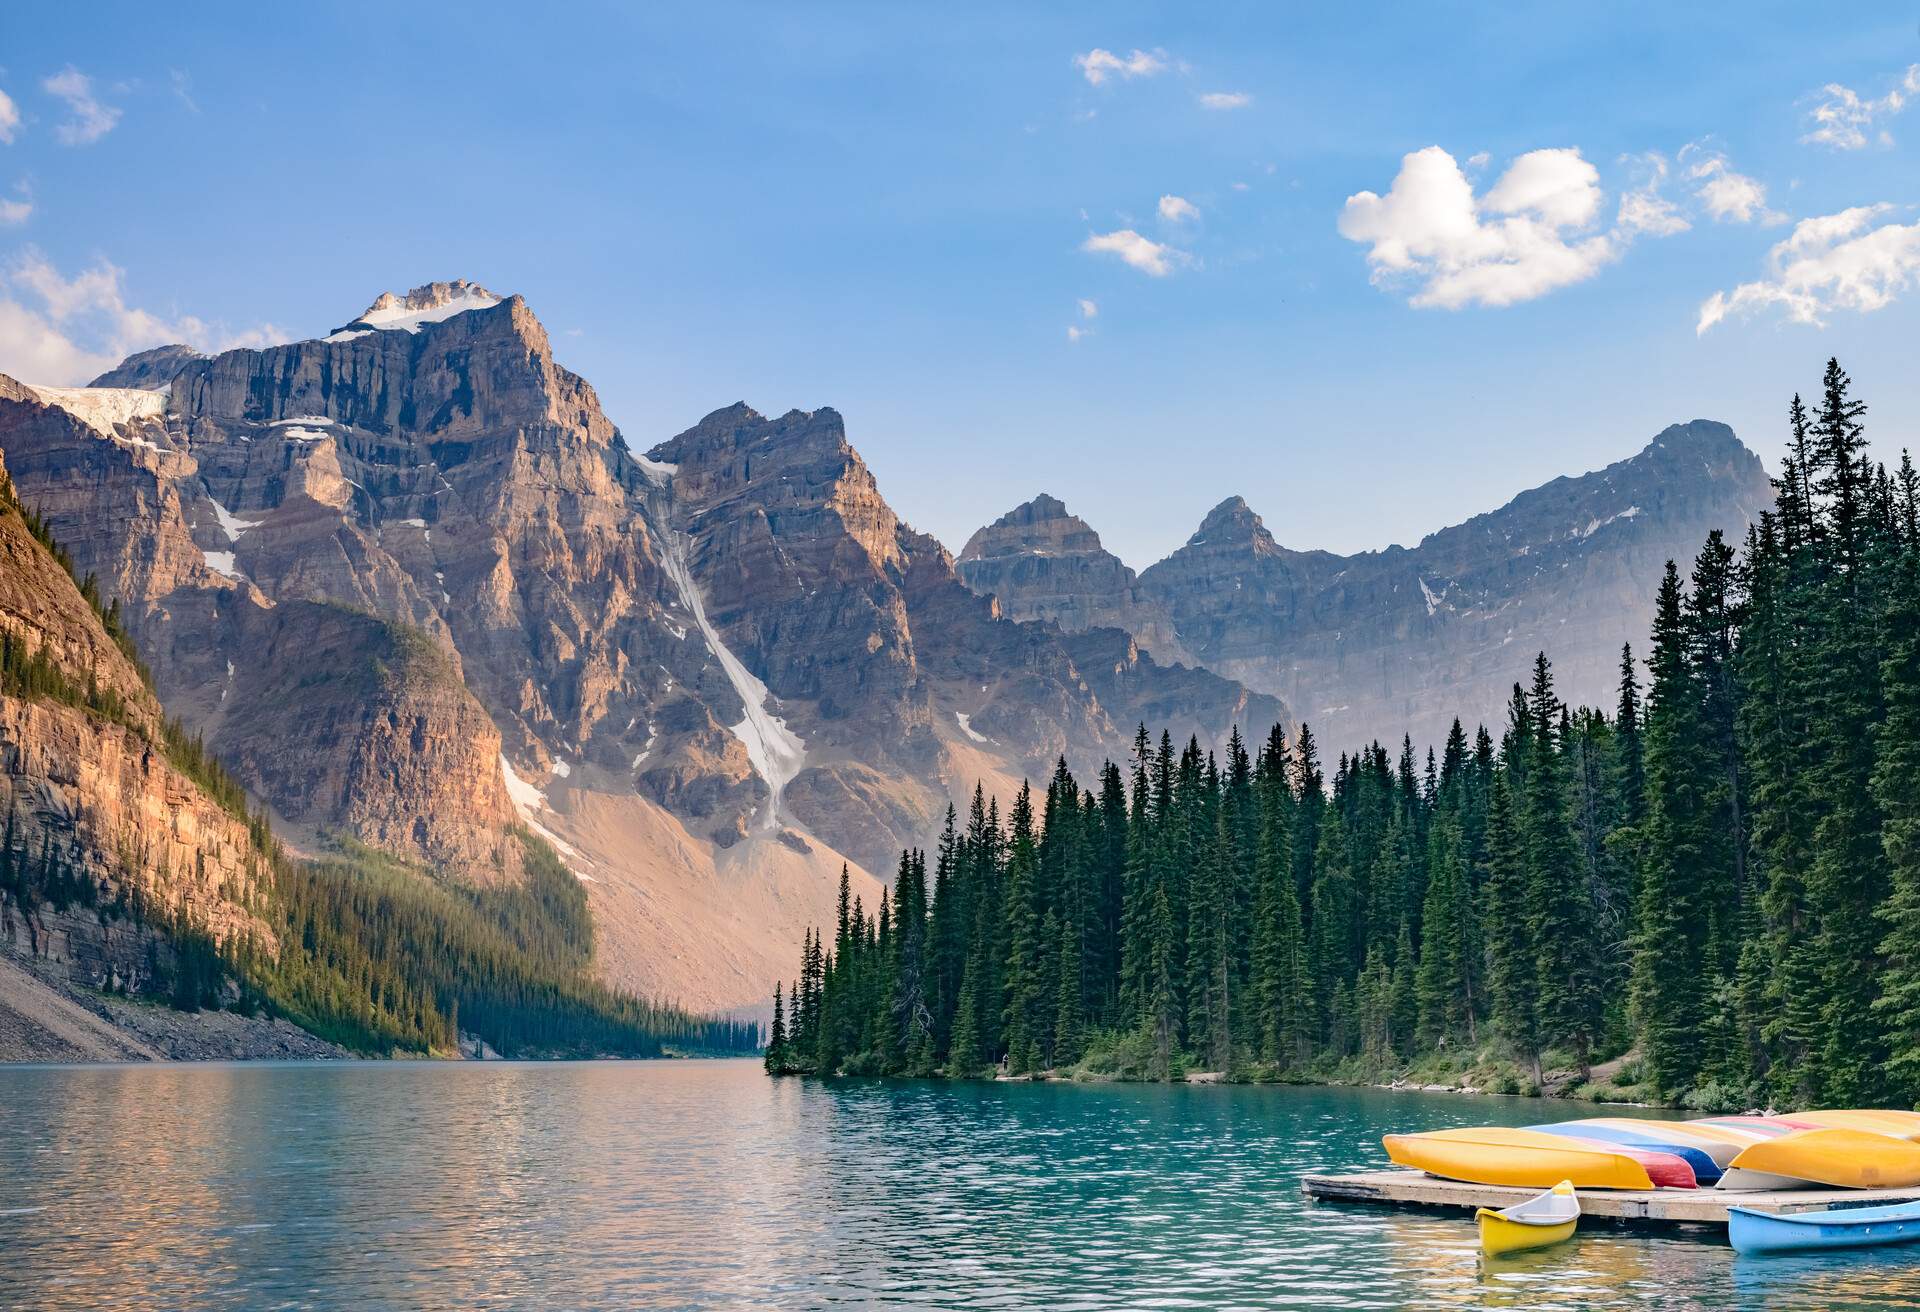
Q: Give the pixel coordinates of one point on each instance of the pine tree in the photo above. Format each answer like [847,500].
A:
[1559,900]
[1896,787]
[1671,982]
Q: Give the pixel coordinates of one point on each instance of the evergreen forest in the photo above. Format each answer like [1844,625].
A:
[1706,893]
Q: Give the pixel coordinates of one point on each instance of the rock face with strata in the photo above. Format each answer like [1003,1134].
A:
[1386,643]
[1042,563]
[97,792]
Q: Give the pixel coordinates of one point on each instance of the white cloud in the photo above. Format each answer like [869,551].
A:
[1479,160]
[1240,186]
[1225,100]
[1075,332]
[182,83]
[9,119]
[1098,65]
[1522,239]
[59,330]
[90,120]
[16,211]
[1144,254]
[1842,119]
[1645,209]
[1178,209]
[1730,197]
[1089,309]
[1834,262]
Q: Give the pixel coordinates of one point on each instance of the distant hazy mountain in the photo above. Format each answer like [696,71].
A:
[1400,641]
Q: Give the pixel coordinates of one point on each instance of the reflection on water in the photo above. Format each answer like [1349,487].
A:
[703,1184]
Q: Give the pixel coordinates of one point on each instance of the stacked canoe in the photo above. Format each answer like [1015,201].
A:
[1842,1149]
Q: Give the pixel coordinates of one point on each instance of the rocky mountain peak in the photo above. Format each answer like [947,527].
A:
[428,303]
[1038,561]
[1042,525]
[149,370]
[1233,521]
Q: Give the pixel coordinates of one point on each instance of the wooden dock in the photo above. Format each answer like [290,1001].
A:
[1660,1206]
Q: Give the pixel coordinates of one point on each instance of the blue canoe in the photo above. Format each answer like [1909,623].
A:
[1834,1227]
[1705,1169]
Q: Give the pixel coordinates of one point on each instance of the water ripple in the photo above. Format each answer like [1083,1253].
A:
[705,1185]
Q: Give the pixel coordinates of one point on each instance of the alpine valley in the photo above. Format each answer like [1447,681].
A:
[426,604]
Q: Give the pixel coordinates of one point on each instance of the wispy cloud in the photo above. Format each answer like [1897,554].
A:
[1528,235]
[1842,119]
[1089,309]
[1178,209]
[1729,196]
[1143,253]
[182,83]
[9,119]
[89,119]
[1098,65]
[1645,209]
[1225,99]
[60,330]
[18,208]
[1844,261]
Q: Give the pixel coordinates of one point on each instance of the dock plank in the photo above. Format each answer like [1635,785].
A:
[1676,1206]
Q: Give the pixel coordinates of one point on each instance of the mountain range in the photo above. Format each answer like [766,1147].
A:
[1375,646]
[416,590]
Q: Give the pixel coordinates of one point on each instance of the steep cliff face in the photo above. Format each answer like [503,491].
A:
[202,585]
[95,813]
[1400,641]
[1042,563]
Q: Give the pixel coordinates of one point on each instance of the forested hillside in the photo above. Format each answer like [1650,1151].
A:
[1719,874]
[130,862]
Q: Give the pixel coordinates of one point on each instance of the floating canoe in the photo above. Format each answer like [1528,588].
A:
[1843,1159]
[1527,1159]
[1546,1219]
[1705,1169]
[1834,1227]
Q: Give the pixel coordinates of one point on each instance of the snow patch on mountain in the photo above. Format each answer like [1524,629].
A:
[436,302]
[776,751]
[104,409]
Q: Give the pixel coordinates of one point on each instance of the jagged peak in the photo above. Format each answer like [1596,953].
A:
[1052,527]
[152,368]
[428,303]
[1042,508]
[1233,520]
[1703,436]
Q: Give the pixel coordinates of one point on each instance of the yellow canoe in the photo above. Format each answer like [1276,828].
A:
[1841,1158]
[1901,1125]
[1524,1159]
[1546,1219]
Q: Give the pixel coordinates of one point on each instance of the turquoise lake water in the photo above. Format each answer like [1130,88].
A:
[707,1185]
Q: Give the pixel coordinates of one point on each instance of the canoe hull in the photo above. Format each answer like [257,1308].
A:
[1765,1232]
[1511,1161]
[1705,1168]
[1498,1235]
[1842,1159]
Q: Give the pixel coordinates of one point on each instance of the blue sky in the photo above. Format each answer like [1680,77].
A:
[897,210]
